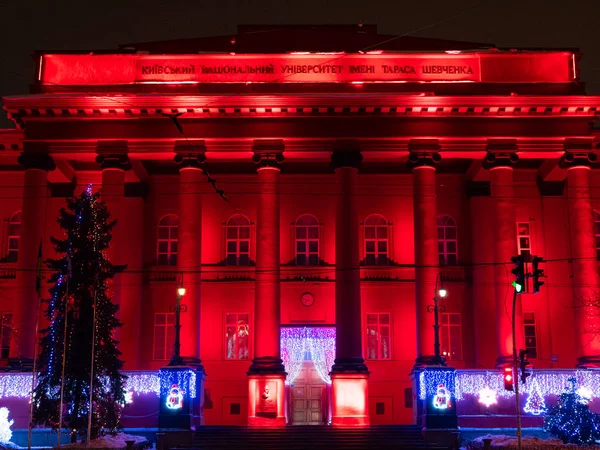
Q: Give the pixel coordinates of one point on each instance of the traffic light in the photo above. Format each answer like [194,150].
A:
[537,273]
[518,272]
[508,378]
[523,363]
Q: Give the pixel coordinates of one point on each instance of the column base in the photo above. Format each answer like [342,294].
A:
[429,360]
[589,362]
[266,404]
[19,365]
[266,365]
[502,361]
[350,406]
[349,365]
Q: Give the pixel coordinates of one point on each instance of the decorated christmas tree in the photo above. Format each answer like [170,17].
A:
[535,403]
[571,420]
[79,297]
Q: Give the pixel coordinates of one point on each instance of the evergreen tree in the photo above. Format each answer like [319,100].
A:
[79,281]
[571,420]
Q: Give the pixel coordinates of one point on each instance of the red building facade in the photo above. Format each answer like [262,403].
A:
[307,180]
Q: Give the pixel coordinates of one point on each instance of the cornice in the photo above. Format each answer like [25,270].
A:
[80,106]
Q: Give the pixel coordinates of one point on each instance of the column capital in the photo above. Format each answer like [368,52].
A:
[494,160]
[190,153]
[268,152]
[423,159]
[40,161]
[572,159]
[423,153]
[500,153]
[113,155]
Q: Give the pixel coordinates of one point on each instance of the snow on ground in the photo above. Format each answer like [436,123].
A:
[500,441]
[109,441]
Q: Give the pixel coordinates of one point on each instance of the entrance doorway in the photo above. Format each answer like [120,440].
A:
[308,397]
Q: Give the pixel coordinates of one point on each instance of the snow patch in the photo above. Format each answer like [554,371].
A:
[500,441]
[116,441]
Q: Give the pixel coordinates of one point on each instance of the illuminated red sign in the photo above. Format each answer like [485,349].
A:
[548,67]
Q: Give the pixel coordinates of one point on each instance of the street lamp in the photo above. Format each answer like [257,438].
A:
[178,308]
[436,308]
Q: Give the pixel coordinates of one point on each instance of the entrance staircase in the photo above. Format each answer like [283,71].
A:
[308,438]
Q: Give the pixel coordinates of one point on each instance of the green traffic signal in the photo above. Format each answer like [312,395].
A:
[517,286]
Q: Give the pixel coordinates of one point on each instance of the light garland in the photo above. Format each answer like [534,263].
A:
[184,379]
[18,385]
[586,395]
[318,341]
[431,379]
[550,382]
[488,396]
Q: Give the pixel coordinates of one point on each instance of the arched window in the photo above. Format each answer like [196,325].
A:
[14,231]
[307,241]
[237,242]
[168,232]
[447,241]
[376,241]
[597,233]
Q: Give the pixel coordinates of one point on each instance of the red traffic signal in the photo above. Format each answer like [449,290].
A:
[508,379]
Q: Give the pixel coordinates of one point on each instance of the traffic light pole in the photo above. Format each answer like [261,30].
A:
[516,370]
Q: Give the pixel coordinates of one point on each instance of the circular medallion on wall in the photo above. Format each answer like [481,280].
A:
[307,299]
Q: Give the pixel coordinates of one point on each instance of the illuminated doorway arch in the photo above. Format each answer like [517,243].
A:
[308,354]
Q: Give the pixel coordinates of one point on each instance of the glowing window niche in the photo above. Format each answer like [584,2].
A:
[447,241]
[597,233]
[524,238]
[378,339]
[5,334]
[237,241]
[451,336]
[530,334]
[164,335]
[237,332]
[376,240]
[14,233]
[307,241]
[167,242]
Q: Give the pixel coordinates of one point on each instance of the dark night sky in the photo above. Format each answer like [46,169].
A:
[83,25]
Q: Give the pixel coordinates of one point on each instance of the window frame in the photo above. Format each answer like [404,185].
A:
[249,337]
[535,330]
[13,237]
[376,240]
[445,332]
[168,349]
[307,240]
[596,217]
[238,253]
[5,339]
[443,256]
[520,249]
[379,325]
[169,240]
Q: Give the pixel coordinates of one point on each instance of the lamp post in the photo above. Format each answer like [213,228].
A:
[436,308]
[177,360]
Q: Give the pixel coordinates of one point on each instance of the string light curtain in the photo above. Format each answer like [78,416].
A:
[316,342]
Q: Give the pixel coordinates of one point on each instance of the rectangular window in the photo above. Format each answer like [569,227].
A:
[6,323]
[451,331]
[378,338]
[523,238]
[164,335]
[530,334]
[237,330]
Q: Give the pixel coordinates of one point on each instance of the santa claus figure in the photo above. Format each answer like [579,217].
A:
[442,398]
[175,398]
